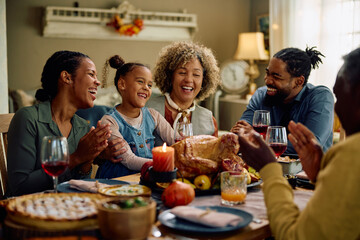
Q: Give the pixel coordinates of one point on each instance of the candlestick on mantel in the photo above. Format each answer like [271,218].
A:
[163,158]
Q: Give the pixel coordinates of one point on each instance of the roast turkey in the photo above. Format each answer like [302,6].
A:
[204,154]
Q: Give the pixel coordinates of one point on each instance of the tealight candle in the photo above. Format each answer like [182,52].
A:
[163,158]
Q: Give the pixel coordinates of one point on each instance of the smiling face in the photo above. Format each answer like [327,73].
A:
[135,87]
[281,86]
[85,84]
[186,83]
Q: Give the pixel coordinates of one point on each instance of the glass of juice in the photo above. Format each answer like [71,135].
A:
[261,122]
[233,187]
[276,138]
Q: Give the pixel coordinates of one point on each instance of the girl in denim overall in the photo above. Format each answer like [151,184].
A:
[132,121]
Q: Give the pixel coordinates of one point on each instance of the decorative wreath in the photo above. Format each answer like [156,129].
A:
[126,29]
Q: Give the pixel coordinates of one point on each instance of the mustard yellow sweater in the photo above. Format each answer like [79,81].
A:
[333,212]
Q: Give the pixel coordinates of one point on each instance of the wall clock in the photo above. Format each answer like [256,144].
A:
[233,76]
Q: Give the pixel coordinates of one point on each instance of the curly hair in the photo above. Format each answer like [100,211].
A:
[299,62]
[180,53]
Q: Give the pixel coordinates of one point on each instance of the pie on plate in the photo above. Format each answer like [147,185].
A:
[55,211]
[125,190]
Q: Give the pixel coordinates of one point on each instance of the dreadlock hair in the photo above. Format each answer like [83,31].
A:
[299,62]
[60,61]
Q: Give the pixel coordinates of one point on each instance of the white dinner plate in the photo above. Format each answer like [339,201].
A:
[170,220]
[65,186]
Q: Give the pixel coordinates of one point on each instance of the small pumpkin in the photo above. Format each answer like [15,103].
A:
[177,194]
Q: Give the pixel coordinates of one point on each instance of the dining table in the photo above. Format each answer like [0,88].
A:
[254,204]
[258,228]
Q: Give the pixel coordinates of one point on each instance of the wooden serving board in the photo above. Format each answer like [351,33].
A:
[13,230]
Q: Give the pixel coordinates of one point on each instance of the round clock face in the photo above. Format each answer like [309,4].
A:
[234,78]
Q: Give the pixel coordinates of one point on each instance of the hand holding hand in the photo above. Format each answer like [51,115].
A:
[307,147]
[254,150]
[116,147]
[241,124]
[91,145]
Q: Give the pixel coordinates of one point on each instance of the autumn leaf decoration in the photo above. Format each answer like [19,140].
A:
[126,29]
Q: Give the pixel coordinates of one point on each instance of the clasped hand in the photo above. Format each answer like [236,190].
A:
[91,145]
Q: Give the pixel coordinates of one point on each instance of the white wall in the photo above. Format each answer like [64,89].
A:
[219,23]
[4,107]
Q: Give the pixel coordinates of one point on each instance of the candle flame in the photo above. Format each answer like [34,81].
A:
[164,147]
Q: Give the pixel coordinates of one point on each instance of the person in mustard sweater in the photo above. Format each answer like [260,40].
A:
[333,211]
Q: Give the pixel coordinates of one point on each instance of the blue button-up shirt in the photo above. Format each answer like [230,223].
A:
[313,107]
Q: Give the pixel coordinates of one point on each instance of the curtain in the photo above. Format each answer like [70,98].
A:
[333,26]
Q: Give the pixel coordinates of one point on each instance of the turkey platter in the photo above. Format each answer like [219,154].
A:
[207,155]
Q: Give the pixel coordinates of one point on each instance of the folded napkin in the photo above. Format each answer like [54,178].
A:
[86,186]
[302,175]
[207,217]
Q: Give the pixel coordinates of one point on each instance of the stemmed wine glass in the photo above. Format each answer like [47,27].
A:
[276,138]
[54,156]
[183,130]
[261,122]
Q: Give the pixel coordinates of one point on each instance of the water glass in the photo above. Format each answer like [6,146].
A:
[182,131]
[233,186]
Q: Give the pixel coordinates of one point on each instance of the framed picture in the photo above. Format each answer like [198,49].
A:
[263,26]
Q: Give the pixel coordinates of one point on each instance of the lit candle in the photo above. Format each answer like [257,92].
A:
[163,158]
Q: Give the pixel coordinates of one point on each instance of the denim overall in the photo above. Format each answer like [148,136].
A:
[141,142]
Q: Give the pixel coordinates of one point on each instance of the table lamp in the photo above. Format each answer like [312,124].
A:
[251,47]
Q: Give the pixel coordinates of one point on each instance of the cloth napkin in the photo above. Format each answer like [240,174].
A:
[302,175]
[206,217]
[86,186]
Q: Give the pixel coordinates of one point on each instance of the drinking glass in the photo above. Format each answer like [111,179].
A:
[182,131]
[261,122]
[233,186]
[54,156]
[276,138]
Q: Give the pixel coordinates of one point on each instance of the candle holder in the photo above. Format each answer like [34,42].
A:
[156,176]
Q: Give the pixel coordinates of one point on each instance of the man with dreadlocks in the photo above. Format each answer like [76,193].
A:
[289,96]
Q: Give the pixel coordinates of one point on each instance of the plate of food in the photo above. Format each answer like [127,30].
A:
[125,190]
[304,183]
[290,163]
[169,220]
[65,186]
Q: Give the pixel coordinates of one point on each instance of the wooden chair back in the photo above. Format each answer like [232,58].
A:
[338,131]
[5,120]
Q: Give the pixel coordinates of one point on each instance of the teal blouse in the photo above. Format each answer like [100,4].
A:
[27,128]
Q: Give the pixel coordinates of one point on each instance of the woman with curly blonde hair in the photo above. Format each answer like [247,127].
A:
[186,72]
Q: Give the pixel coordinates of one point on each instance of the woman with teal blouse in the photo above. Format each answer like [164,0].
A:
[69,82]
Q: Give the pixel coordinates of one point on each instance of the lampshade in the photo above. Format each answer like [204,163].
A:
[251,47]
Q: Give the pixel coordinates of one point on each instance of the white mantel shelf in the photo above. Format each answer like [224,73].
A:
[90,23]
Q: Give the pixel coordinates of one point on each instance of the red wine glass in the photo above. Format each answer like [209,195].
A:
[261,122]
[276,138]
[54,156]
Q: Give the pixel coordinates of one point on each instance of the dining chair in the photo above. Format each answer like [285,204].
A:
[338,131]
[5,120]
